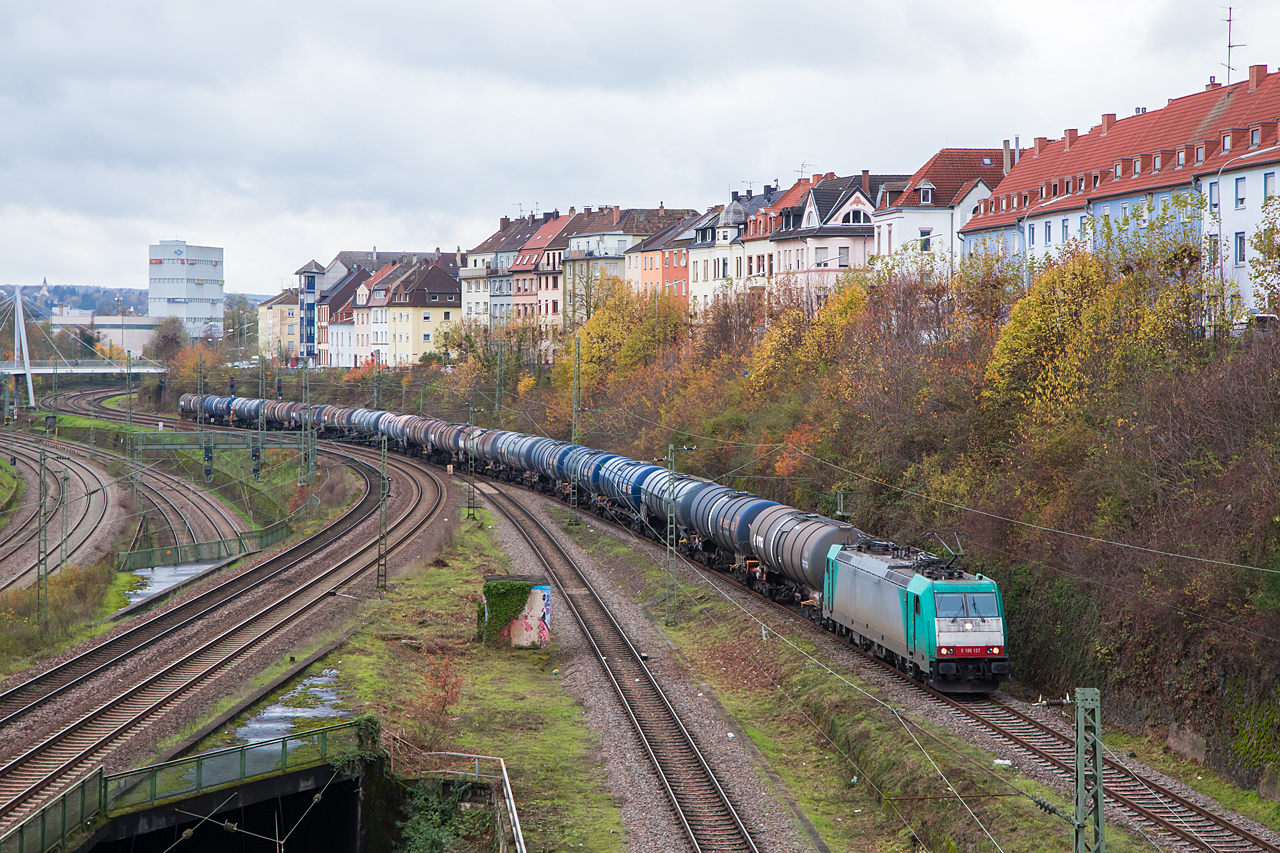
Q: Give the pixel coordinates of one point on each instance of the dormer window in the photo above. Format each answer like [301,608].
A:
[926,195]
[1137,167]
[1199,153]
[1182,157]
[1119,169]
[1055,189]
[1226,143]
[1255,137]
[1024,199]
[986,161]
[1068,186]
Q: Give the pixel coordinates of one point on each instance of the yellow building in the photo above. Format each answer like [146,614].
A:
[418,307]
[278,328]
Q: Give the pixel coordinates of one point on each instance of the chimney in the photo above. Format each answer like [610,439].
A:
[1008,158]
[587,211]
[815,179]
[749,192]
[866,182]
[661,209]
[617,214]
[1040,143]
[1070,136]
[572,212]
[734,194]
[1257,73]
[546,216]
[457,258]
[1213,84]
[373,259]
[504,223]
[1108,121]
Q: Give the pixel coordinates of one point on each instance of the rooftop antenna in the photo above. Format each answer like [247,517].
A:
[804,168]
[1230,19]
[520,207]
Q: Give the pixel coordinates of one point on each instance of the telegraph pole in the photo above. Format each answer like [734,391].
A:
[42,548]
[131,449]
[472,502]
[255,448]
[63,546]
[1089,819]
[671,534]
[384,487]
[575,519]
[497,390]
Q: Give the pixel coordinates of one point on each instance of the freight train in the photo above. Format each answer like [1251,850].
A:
[919,612]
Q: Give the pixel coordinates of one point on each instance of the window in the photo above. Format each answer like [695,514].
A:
[1240,247]
[926,244]
[1118,170]
[1031,234]
[291,328]
[1048,233]
[737,267]
[1226,143]
[435,297]
[1124,212]
[426,315]
[1137,167]
[1097,179]
[451,297]
[844,259]
[1255,137]
[290,312]
[751,262]
[820,256]
[926,195]
[555,306]
[1213,196]
[1065,226]
[704,269]
[426,337]
[1239,193]
[1199,153]
[1182,157]
[1156,164]
[1268,185]
[446,314]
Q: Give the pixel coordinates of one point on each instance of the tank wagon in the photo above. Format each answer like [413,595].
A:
[919,612]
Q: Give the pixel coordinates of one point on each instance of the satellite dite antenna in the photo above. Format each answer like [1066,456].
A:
[1230,19]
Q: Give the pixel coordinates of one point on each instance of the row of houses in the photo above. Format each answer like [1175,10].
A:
[1216,149]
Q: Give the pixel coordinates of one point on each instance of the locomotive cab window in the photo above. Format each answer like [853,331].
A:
[950,605]
[958,605]
[982,604]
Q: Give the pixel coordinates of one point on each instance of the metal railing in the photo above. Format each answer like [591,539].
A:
[64,818]
[145,787]
[206,552]
[462,766]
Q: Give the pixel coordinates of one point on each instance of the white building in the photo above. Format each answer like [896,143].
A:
[187,282]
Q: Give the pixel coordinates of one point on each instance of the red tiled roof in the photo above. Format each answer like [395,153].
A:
[952,172]
[531,252]
[1200,118]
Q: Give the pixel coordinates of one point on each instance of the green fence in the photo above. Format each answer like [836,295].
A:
[206,552]
[64,818]
[100,796]
[186,777]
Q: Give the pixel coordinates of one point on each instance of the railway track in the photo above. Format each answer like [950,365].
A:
[1159,811]
[702,807]
[65,756]
[86,497]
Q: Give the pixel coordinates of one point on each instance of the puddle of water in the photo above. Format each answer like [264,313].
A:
[312,698]
[162,577]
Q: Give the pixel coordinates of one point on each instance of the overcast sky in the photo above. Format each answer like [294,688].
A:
[285,131]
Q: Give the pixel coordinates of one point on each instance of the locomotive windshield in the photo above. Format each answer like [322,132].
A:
[958,605]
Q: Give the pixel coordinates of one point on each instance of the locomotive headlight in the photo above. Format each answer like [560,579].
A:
[995,650]
[968,626]
[943,650]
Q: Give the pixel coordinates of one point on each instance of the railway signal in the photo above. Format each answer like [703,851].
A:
[256,453]
[279,388]
[233,387]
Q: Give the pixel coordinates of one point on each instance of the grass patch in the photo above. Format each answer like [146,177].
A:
[79,597]
[11,489]
[509,703]
[817,733]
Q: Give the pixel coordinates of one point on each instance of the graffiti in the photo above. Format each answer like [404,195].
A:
[533,626]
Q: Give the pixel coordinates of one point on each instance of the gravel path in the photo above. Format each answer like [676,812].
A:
[650,820]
